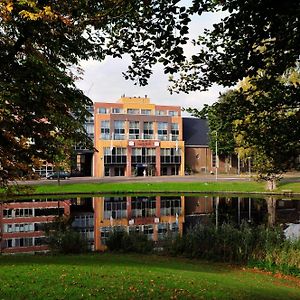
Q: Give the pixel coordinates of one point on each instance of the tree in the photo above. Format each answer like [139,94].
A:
[259,125]
[220,123]
[232,50]
[42,43]
[267,127]
[257,40]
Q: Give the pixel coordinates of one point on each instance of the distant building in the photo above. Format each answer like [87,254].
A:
[199,157]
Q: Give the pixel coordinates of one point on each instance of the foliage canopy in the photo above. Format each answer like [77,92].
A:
[42,42]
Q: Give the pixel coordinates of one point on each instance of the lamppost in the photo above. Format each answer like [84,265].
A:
[249,168]
[216,150]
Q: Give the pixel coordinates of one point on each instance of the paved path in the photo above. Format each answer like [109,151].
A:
[190,178]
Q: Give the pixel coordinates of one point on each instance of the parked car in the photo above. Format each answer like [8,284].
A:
[61,174]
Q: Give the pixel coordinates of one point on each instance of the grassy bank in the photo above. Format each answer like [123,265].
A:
[112,276]
[152,187]
[176,187]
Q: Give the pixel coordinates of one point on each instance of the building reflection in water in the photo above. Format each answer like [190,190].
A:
[22,222]
[155,217]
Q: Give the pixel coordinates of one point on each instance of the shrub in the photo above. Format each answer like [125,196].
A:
[62,238]
[120,240]
[66,242]
[260,246]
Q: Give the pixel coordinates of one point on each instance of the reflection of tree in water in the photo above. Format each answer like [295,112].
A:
[271,208]
[235,210]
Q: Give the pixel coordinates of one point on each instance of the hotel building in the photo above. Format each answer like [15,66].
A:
[134,137]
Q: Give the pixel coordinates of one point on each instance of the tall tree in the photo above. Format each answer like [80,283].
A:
[232,50]
[42,42]
[258,40]
[260,125]
[220,122]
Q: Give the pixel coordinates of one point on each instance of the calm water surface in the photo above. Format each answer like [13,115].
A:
[22,221]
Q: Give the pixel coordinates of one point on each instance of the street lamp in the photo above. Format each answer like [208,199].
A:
[249,168]
[216,150]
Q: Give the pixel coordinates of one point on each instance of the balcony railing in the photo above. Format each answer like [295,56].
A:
[142,136]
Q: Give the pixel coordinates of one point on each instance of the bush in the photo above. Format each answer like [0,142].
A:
[62,238]
[260,246]
[66,242]
[18,190]
[120,240]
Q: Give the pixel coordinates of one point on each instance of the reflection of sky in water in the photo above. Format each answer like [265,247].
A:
[21,222]
[292,231]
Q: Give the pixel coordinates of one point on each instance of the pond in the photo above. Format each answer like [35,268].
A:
[22,221]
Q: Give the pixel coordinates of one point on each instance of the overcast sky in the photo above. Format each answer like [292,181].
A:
[103,81]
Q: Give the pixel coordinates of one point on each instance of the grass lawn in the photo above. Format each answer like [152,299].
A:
[113,276]
[162,187]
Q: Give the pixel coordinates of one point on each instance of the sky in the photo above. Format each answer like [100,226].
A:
[104,82]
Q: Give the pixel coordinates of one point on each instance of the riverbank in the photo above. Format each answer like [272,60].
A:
[284,188]
[135,276]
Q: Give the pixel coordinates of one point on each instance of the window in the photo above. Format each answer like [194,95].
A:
[116,110]
[104,234]
[115,207]
[148,230]
[133,111]
[119,130]
[174,131]
[148,130]
[105,130]
[19,227]
[7,213]
[162,229]
[107,151]
[146,112]
[89,130]
[143,155]
[89,119]
[162,131]
[102,110]
[115,155]
[83,221]
[170,206]
[170,156]
[160,112]
[134,130]
[173,113]
[143,207]
[136,151]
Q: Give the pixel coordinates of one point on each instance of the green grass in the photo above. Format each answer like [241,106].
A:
[112,276]
[153,187]
[162,187]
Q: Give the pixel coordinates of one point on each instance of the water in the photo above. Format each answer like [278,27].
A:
[22,222]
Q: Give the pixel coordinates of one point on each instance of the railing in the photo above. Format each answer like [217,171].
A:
[142,136]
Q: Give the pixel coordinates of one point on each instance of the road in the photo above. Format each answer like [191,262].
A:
[190,178]
[289,177]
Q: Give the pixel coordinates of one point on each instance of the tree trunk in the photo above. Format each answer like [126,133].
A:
[271,184]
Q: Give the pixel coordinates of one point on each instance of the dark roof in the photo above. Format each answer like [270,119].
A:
[195,132]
